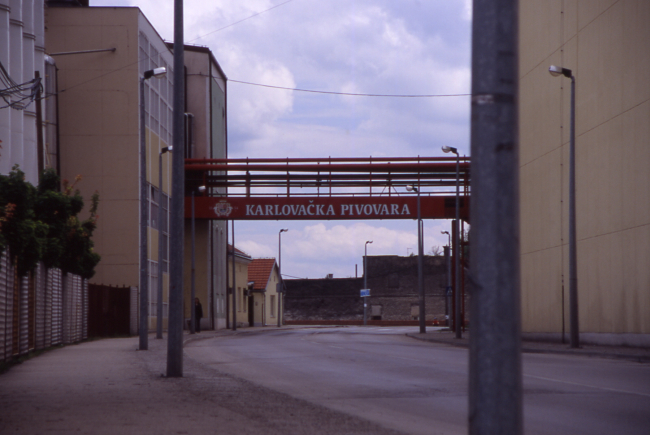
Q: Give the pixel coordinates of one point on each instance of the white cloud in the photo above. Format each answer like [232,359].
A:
[366,46]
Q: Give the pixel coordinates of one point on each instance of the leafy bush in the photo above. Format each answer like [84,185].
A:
[41,224]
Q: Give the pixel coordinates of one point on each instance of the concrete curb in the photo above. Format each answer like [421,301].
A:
[641,355]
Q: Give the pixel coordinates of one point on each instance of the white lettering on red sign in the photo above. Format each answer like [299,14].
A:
[327,210]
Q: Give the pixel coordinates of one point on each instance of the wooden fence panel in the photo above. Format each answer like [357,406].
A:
[39,308]
[42,309]
[6,307]
[56,288]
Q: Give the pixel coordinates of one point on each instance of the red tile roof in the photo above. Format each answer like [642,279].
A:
[259,272]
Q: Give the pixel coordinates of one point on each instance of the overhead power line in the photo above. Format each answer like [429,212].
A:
[351,93]
[240,21]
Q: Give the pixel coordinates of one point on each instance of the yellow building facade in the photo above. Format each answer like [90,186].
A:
[606,45]
[101,53]
[240,288]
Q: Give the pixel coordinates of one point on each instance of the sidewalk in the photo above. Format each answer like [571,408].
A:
[109,387]
[637,354]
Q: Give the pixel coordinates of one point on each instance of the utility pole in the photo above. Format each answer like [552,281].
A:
[495,393]
[177,208]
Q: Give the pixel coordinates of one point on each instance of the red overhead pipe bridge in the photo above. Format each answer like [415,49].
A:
[327,188]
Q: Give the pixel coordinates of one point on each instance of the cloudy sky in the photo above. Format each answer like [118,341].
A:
[384,47]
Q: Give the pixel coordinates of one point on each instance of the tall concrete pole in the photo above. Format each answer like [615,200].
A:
[159,307]
[365,282]
[144,223]
[280,284]
[459,321]
[177,218]
[573,247]
[193,273]
[495,393]
[234,281]
[421,308]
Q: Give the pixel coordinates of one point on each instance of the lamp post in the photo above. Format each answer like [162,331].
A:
[365,282]
[280,286]
[448,263]
[448,235]
[144,217]
[457,321]
[201,189]
[159,307]
[421,314]
[573,255]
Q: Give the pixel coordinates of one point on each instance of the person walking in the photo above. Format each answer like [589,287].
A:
[198,313]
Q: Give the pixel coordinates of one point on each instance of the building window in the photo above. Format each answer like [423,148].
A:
[272,305]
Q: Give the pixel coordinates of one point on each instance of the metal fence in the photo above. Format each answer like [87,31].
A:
[40,310]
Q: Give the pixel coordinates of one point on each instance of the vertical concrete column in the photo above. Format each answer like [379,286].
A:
[30,157]
[15,70]
[5,115]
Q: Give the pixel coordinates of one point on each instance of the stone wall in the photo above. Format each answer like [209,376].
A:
[393,283]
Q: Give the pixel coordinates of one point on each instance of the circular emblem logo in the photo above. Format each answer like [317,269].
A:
[222,208]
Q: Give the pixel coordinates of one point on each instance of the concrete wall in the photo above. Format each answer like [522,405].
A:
[393,283]
[605,44]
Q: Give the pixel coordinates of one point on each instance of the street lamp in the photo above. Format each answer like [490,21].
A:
[365,282]
[556,71]
[279,288]
[421,314]
[457,320]
[448,263]
[201,189]
[159,308]
[144,217]
[448,235]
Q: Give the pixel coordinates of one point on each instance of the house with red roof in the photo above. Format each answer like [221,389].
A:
[263,302]
[238,311]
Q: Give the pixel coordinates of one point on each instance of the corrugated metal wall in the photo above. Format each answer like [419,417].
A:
[40,310]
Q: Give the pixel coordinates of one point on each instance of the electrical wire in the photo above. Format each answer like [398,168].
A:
[240,21]
[352,94]
[15,94]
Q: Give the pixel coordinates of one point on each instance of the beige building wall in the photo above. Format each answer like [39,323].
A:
[607,46]
[99,128]
[241,284]
[205,95]
[271,294]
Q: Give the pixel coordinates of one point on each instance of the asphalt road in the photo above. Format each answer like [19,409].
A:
[417,387]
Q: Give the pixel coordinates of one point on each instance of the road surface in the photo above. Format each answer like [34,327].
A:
[417,387]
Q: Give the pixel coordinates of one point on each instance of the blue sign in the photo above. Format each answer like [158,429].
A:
[365,293]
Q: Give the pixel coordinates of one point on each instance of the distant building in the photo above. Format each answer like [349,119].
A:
[239,288]
[393,284]
[263,280]
[206,139]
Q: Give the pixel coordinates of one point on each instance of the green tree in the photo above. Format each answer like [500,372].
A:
[42,224]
